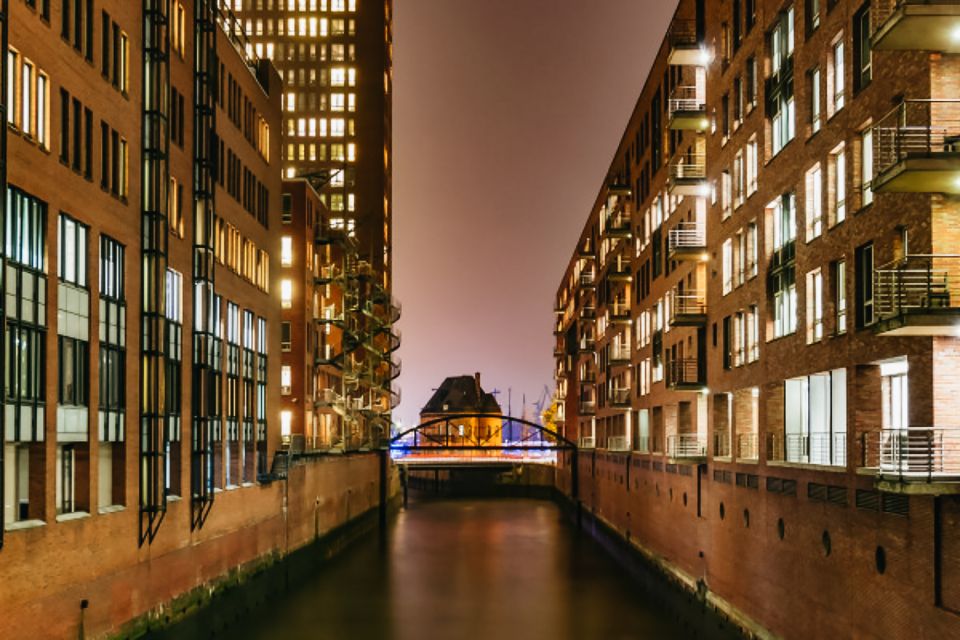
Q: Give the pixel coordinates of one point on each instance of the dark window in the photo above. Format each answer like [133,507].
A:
[72,371]
[864,285]
[862,55]
[727,343]
[64,127]
[812,16]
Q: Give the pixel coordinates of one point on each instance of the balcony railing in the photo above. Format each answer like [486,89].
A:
[587,345]
[619,354]
[620,397]
[588,407]
[914,455]
[814,448]
[587,279]
[916,148]
[926,287]
[688,176]
[919,25]
[685,46]
[687,446]
[721,444]
[687,238]
[619,312]
[617,443]
[688,109]
[747,446]
[685,373]
[618,226]
[688,309]
[588,442]
[619,270]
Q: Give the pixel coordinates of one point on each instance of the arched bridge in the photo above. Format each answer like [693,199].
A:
[478,435]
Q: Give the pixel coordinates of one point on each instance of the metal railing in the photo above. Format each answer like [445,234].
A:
[587,278]
[588,407]
[721,444]
[687,235]
[619,353]
[617,443]
[747,446]
[683,33]
[918,282]
[618,223]
[619,268]
[684,371]
[687,445]
[882,10]
[689,167]
[618,311]
[688,304]
[916,128]
[620,397]
[814,448]
[588,442]
[587,344]
[687,98]
[915,454]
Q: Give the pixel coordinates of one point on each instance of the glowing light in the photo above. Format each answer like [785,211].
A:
[704,124]
[704,257]
[286,419]
[706,57]
[955,34]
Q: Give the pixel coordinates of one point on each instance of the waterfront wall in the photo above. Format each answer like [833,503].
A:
[88,578]
[775,558]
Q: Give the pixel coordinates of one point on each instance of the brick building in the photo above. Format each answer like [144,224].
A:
[756,333]
[141,314]
[335,58]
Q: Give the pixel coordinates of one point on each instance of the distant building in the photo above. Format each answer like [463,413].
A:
[458,398]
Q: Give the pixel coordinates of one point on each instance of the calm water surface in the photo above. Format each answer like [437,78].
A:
[467,569]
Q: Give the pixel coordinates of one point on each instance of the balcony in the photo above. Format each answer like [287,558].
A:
[916,148]
[620,398]
[586,345]
[618,225]
[588,442]
[619,270]
[587,280]
[688,310]
[685,375]
[915,460]
[688,241]
[328,273]
[617,443]
[587,407]
[618,355]
[918,296]
[916,25]
[829,449]
[685,46]
[688,109]
[687,446]
[688,176]
[618,313]
[748,446]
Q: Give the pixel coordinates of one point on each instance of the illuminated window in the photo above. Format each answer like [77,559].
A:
[814,306]
[286,379]
[286,294]
[286,419]
[838,164]
[286,251]
[814,203]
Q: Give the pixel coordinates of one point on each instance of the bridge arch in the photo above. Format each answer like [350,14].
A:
[444,433]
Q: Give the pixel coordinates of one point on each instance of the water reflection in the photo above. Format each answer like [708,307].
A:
[467,569]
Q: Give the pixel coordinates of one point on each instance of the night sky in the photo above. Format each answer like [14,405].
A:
[507,114]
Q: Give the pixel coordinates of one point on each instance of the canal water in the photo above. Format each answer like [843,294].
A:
[465,570]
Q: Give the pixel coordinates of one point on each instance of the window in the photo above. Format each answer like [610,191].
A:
[11,86]
[895,390]
[753,334]
[25,220]
[864,285]
[286,294]
[26,100]
[286,209]
[838,163]
[286,379]
[752,249]
[862,55]
[727,266]
[286,251]
[112,401]
[838,97]
[866,166]
[72,256]
[783,218]
[814,203]
[816,119]
[752,167]
[840,295]
[813,16]
[815,418]
[752,81]
[286,337]
[72,359]
[814,306]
